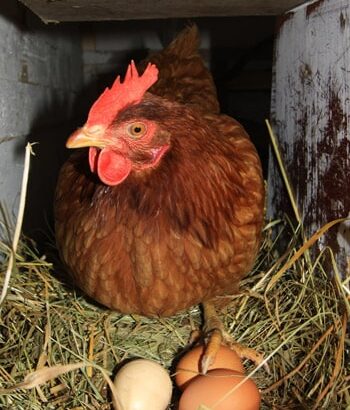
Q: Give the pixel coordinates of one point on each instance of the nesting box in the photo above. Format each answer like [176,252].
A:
[56,56]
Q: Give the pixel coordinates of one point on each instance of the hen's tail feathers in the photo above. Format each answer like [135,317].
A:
[186,44]
[183,76]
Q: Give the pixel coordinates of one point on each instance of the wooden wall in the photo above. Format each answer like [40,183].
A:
[40,81]
[310,112]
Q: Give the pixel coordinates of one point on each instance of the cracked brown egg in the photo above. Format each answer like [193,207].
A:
[189,366]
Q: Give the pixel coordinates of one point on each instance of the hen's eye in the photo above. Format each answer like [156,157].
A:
[137,129]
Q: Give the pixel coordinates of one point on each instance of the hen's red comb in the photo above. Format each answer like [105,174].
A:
[131,91]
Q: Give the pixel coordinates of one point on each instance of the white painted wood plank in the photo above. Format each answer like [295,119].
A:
[311,107]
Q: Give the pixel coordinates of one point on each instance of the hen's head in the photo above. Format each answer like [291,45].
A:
[120,143]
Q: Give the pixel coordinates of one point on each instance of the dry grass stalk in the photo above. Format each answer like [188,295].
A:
[18,227]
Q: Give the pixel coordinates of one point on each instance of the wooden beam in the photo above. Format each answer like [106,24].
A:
[98,10]
[311,113]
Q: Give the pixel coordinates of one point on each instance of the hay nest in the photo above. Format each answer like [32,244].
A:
[289,309]
[58,349]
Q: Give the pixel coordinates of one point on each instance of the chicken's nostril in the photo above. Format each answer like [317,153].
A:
[119,145]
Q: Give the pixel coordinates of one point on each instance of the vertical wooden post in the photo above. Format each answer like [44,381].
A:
[310,112]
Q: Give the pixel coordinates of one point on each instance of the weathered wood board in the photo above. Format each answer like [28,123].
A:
[310,111]
[97,10]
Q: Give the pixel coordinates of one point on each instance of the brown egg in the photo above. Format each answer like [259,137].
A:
[189,365]
[214,391]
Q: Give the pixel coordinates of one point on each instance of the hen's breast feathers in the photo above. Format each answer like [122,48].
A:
[183,76]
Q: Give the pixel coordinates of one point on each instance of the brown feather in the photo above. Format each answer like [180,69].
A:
[183,76]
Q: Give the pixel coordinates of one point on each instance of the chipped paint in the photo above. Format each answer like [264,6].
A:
[6,139]
[311,110]
[24,76]
[280,20]
[313,7]
[343,21]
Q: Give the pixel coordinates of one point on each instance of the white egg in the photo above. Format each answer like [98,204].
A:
[142,385]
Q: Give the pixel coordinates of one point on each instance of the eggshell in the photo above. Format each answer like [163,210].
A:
[189,365]
[210,388]
[142,385]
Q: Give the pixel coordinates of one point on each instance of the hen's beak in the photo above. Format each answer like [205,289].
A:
[87,137]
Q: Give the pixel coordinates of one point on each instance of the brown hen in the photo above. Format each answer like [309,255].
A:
[165,211]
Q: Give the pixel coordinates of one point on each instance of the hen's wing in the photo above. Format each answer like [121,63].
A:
[183,76]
